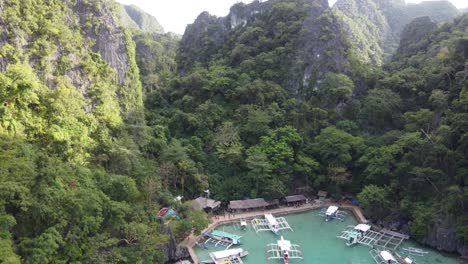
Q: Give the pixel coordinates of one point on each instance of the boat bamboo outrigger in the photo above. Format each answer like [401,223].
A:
[415,251]
[270,223]
[284,250]
[220,238]
[357,235]
[333,212]
[362,234]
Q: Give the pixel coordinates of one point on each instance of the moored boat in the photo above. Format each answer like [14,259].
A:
[284,250]
[225,256]
[358,232]
[272,223]
[243,223]
[383,257]
[331,213]
[224,237]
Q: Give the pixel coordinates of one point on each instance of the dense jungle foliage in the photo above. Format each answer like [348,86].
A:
[84,171]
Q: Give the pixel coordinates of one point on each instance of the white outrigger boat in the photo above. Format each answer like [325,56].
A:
[270,223]
[383,257]
[356,234]
[243,223]
[284,250]
[386,257]
[229,256]
[333,212]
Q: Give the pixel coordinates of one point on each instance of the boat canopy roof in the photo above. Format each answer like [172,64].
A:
[387,256]
[332,209]
[284,244]
[271,219]
[218,255]
[224,234]
[362,227]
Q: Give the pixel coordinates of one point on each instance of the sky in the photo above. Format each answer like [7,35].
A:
[174,15]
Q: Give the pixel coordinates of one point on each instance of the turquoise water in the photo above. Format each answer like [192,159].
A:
[318,241]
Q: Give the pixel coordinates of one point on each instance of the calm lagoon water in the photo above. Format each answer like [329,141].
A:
[318,241]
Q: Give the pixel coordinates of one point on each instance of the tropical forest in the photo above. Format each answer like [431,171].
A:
[105,118]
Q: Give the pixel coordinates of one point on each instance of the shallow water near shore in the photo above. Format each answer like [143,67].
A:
[318,241]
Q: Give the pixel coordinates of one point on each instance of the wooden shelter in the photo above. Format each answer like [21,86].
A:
[248,204]
[296,199]
[206,204]
[322,195]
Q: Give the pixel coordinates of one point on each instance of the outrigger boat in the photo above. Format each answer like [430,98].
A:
[283,249]
[243,223]
[230,256]
[272,223]
[332,212]
[383,257]
[222,238]
[415,251]
[357,234]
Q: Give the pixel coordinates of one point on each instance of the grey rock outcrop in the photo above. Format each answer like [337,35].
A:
[135,17]
[172,250]
[416,36]
[319,52]
[207,34]
[375,26]
[321,47]
[109,37]
[443,236]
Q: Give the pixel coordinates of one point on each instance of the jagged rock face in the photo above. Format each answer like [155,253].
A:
[387,19]
[319,47]
[368,31]
[172,251]
[443,236]
[207,30]
[317,55]
[203,38]
[144,21]
[110,39]
[415,36]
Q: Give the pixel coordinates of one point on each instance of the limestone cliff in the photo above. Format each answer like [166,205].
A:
[322,48]
[79,36]
[416,36]
[133,17]
[375,26]
[317,45]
